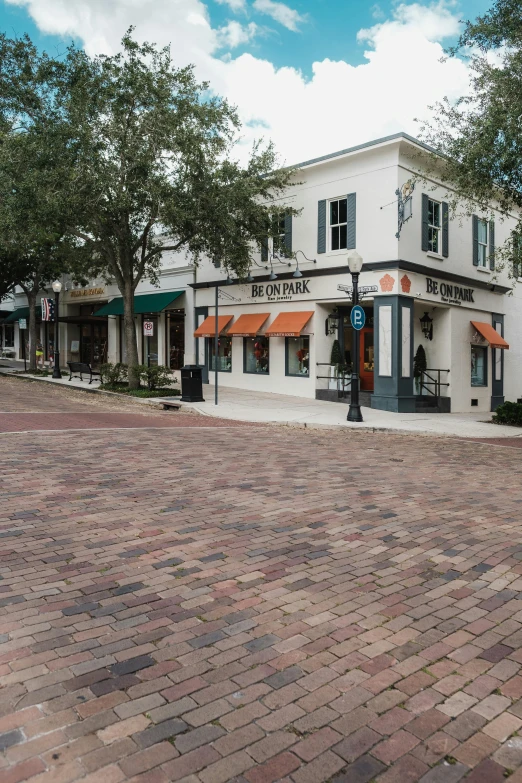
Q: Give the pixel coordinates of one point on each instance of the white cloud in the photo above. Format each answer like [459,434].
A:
[280,13]
[234,34]
[234,5]
[338,106]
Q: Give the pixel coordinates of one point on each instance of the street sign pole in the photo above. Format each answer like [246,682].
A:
[357,318]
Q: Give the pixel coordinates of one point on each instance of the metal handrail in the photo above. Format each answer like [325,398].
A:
[427,381]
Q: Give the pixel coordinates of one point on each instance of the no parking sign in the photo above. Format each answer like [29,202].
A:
[148,328]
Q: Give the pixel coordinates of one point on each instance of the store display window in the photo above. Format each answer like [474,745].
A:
[224,363]
[479,365]
[257,355]
[298,356]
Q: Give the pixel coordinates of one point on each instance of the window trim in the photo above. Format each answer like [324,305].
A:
[251,372]
[437,253]
[486,377]
[483,244]
[335,225]
[291,374]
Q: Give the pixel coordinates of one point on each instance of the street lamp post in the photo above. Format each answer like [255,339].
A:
[57,287]
[355,263]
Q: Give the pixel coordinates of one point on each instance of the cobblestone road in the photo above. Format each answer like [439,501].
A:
[256,604]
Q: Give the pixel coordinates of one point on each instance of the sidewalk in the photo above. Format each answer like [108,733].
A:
[265,407]
[268,408]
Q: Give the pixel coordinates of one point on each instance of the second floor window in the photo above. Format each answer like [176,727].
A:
[279,236]
[338,224]
[434,245]
[482,243]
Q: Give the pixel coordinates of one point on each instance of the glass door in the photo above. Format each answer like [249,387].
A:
[86,344]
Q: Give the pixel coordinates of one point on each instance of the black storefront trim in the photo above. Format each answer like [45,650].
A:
[406,266]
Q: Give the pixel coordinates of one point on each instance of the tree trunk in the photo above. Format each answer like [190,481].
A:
[31,298]
[130,336]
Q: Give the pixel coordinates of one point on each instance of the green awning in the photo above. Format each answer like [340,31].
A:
[22,312]
[143,303]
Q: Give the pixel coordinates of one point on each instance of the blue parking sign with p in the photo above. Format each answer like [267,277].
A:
[357,317]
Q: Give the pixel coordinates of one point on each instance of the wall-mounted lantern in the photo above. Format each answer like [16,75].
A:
[332,323]
[427,326]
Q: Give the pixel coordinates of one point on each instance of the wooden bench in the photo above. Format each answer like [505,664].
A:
[78,369]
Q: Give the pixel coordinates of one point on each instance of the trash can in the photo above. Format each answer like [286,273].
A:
[191,384]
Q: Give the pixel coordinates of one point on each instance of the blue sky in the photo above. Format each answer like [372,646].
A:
[300,71]
[328,32]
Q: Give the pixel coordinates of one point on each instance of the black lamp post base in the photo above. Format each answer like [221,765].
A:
[56,368]
[354,413]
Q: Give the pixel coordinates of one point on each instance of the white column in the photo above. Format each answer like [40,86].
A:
[162,348]
[113,339]
[190,327]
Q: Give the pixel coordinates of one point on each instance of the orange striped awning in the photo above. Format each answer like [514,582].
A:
[208,327]
[490,334]
[248,325]
[289,324]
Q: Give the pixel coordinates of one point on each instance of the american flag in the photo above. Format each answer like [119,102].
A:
[47,309]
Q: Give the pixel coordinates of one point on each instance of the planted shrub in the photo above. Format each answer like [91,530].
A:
[113,374]
[155,377]
[509,413]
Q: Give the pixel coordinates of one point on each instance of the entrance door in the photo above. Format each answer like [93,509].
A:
[366,354]
[93,343]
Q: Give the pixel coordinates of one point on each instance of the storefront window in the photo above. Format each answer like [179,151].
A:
[257,353]
[298,356]
[9,336]
[224,354]
[479,364]
[176,340]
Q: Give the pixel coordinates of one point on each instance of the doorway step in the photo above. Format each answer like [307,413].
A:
[432,404]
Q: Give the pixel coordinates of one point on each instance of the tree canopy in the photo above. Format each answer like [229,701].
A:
[144,164]
[480,136]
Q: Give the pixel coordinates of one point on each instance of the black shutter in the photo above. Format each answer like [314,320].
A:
[492,244]
[425,242]
[475,240]
[351,204]
[321,226]
[264,250]
[445,230]
[288,233]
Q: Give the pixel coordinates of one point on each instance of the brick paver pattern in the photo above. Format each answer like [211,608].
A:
[257,604]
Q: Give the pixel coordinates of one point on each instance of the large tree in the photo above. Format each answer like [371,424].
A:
[155,171]
[480,136]
[35,174]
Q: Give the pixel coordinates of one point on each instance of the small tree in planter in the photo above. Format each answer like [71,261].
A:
[419,366]
[336,357]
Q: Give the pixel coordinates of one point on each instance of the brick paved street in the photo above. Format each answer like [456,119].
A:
[255,604]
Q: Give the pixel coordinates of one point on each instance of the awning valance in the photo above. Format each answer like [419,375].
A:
[490,334]
[22,312]
[289,324]
[143,303]
[208,327]
[248,325]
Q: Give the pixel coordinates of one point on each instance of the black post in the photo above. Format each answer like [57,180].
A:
[354,411]
[216,348]
[56,368]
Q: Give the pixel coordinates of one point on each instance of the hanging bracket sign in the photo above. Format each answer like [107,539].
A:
[22,323]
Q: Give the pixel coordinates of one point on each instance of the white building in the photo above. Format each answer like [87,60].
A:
[277,331]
